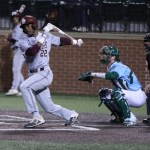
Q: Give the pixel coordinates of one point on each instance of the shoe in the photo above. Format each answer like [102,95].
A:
[19,94]
[130,121]
[72,119]
[12,92]
[35,122]
[146,121]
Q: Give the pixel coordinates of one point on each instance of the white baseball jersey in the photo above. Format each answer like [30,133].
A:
[41,59]
[17,33]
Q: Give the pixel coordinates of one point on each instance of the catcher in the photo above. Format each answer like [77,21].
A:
[127,91]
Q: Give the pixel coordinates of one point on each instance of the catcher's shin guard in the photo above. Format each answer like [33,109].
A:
[119,98]
[105,97]
[114,111]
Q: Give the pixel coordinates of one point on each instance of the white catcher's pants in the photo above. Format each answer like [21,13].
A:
[135,98]
[36,87]
[18,60]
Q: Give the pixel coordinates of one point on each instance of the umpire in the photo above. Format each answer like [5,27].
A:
[147,88]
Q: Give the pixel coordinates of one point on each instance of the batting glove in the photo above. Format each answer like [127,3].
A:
[74,42]
[42,39]
[79,42]
[48,28]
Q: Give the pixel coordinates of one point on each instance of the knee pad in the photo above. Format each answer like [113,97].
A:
[117,95]
[105,94]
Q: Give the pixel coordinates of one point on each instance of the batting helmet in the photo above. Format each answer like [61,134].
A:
[109,51]
[29,20]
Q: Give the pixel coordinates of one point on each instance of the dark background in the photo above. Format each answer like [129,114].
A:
[84,15]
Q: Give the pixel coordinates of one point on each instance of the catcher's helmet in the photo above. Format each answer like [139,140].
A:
[106,52]
[29,20]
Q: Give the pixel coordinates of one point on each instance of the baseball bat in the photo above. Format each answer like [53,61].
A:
[62,32]
[22,8]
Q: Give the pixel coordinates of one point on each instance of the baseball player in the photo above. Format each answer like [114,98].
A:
[127,89]
[36,47]
[18,58]
[147,88]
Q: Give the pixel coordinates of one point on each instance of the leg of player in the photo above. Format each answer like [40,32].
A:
[38,84]
[30,102]
[147,120]
[17,74]
[105,97]
[118,97]
[45,100]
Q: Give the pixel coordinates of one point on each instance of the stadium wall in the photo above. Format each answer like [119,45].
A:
[69,62]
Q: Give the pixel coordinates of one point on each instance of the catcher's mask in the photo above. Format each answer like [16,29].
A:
[106,52]
[29,20]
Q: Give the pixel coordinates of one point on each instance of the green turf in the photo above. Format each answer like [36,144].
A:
[79,103]
[32,145]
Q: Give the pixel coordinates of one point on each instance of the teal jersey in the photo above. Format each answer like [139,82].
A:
[126,79]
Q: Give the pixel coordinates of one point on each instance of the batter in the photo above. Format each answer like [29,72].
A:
[36,48]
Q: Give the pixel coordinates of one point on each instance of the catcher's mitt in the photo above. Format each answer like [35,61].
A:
[86,76]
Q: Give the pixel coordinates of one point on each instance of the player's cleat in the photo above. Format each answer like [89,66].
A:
[146,121]
[130,121]
[35,122]
[12,92]
[72,119]
[19,94]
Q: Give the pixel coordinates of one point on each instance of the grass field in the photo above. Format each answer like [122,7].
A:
[87,104]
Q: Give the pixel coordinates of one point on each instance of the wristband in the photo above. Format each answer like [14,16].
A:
[100,75]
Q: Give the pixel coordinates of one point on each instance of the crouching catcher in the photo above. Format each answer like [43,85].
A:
[127,91]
